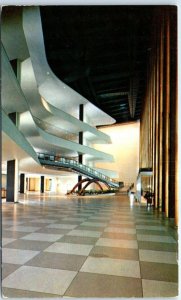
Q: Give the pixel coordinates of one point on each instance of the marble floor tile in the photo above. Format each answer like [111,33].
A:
[13,234]
[98,219]
[152,232]
[123,218]
[83,214]
[29,245]
[123,225]
[37,279]
[7,269]
[23,294]
[17,256]
[6,241]
[54,260]
[23,228]
[132,244]
[29,216]
[158,256]
[110,266]
[47,237]
[150,227]
[120,230]
[68,248]
[11,222]
[85,233]
[113,252]
[120,236]
[103,286]
[120,222]
[158,246]
[155,238]
[62,226]
[90,228]
[73,222]
[153,288]
[94,224]
[159,271]
[147,222]
[44,221]
[53,231]
[78,240]
[74,219]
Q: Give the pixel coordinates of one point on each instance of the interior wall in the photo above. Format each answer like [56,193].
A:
[65,183]
[3,180]
[34,184]
[124,148]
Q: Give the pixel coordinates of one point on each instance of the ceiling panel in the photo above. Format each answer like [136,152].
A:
[101,52]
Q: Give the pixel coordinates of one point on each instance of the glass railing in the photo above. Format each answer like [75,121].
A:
[72,163]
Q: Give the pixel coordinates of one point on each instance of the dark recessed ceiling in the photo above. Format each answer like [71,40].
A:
[102,53]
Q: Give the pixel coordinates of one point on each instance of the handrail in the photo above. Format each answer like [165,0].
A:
[73,164]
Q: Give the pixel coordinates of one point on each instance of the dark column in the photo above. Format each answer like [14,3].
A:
[14,116]
[81,118]
[42,184]
[22,183]
[12,181]
[167,117]
[173,121]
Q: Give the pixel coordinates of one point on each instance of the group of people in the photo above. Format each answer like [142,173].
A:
[148,195]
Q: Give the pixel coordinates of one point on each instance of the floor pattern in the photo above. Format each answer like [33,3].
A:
[87,247]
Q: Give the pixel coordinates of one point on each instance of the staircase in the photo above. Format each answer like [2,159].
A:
[125,189]
[55,162]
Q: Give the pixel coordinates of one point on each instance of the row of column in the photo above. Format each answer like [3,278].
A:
[158,129]
[13,182]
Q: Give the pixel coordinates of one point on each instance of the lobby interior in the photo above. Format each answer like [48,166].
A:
[89,96]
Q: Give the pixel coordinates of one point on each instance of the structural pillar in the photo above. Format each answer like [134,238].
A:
[42,184]
[167,117]
[80,158]
[161,77]
[12,181]
[173,122]
[22,183]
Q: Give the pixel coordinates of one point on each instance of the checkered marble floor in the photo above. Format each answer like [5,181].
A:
[86,247]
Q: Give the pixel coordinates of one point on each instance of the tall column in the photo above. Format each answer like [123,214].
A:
[22,183]
[173,120]
[42,184]
[157,200]
[167,117]
[12,181]
[156,120]
[176,158]
[81,118]
[161,58]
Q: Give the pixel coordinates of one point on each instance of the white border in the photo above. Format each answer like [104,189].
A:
[90,2]
[128,2]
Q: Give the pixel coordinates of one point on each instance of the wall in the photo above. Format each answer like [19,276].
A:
[34,184]
[3,180]
[124,148]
